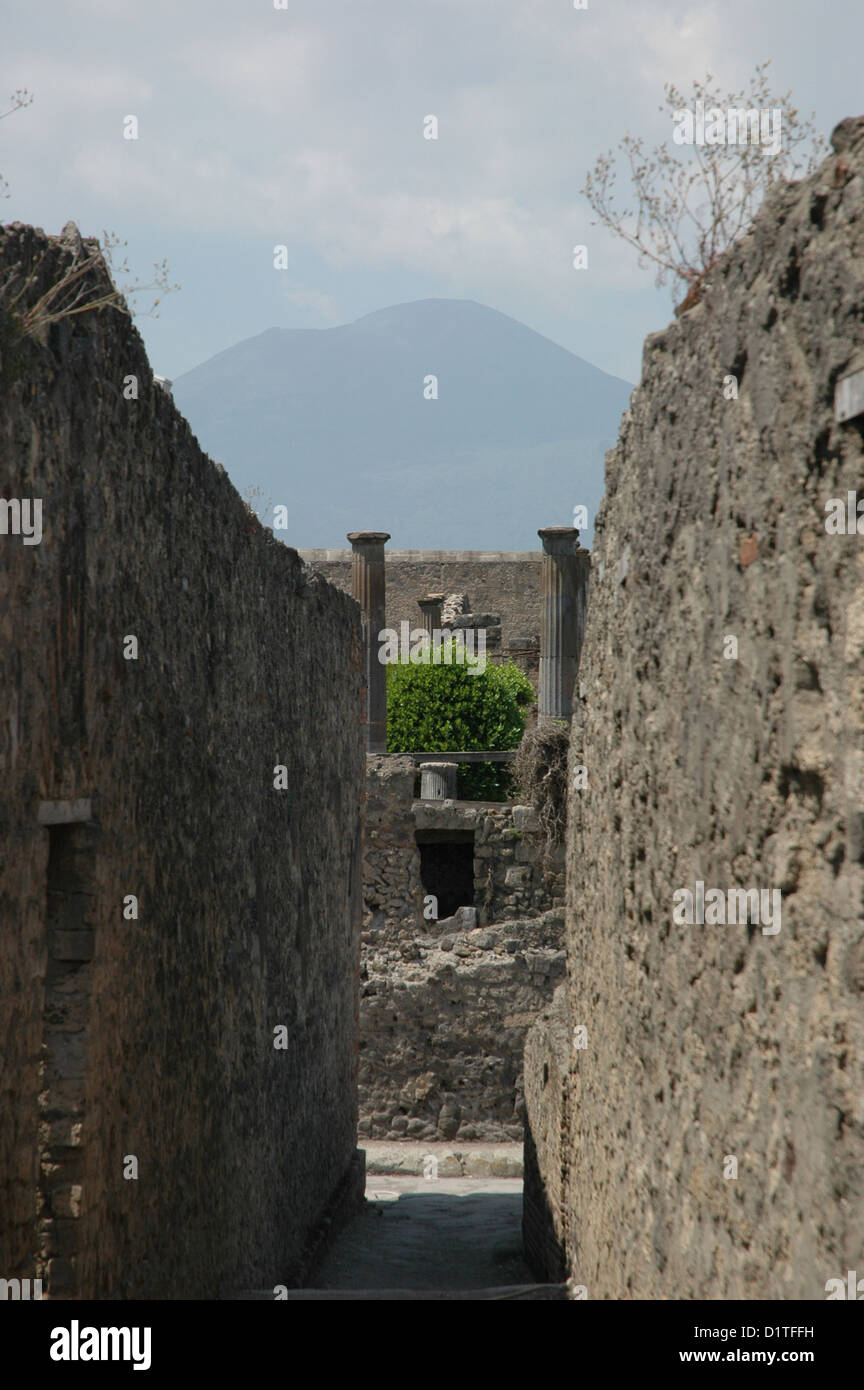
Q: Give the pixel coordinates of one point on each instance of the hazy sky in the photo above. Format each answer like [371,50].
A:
[304,126]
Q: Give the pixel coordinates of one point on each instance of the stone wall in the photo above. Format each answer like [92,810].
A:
[150,1037]
[392,891]
[443,1020]
[500,582]
[514,873]
[548,1136]
[444,1006]
[737,766]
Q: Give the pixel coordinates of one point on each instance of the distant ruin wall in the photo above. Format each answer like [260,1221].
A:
[392,891]
[734,766]
[152,1037]
[515,873]
[444,1008]
[501,582]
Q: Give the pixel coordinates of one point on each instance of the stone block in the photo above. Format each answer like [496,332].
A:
[72,945]
[67,1053]
[65,812]
[66,1200]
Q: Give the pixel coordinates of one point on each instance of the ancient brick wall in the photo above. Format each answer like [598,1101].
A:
[717,1127]
[151,1037]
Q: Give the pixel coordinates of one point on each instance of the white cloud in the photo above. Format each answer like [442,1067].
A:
[305,127]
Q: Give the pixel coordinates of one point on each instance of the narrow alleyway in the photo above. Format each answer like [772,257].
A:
[451,1237]
[455,1233]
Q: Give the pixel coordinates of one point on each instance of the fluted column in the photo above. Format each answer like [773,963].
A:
[368,585]
[438,781]
[561,620]
[430,607]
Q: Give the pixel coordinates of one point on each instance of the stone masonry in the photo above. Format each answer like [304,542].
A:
[504,584]
[181,783]
[443,1019]
[706,1140]
[445,1005]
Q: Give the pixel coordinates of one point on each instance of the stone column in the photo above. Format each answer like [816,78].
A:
[561,619]
[438,781]
[430,607]
[368,585]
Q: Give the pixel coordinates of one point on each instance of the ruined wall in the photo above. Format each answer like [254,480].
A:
[392,891]
[514,873]
[514,876]
[444,1008]
[153,1036]
[718,1042]
[443,1020]
[500,582]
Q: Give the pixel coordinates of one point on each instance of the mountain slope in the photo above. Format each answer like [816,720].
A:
[333,424]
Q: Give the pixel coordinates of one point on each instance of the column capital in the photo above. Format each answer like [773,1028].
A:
[558,540]
[368,537]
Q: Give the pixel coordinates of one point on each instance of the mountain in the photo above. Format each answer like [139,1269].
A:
[333,424]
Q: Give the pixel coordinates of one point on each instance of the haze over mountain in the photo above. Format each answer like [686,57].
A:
[333,424]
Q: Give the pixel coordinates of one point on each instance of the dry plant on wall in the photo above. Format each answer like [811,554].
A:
[20,97]
[86,283]
[691,205]
[540,770]
[257,508]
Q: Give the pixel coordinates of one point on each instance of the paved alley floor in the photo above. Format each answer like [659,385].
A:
[447,1234]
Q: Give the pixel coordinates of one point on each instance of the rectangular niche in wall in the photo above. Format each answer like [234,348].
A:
[70,921]
[447,867]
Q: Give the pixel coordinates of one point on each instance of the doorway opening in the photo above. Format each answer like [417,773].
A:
[447,867]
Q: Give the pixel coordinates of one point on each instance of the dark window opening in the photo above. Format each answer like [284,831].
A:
[447,868]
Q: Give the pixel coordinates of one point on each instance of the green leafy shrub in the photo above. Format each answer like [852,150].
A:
[440,708]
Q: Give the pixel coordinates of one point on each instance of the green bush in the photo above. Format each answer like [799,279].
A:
[439,708]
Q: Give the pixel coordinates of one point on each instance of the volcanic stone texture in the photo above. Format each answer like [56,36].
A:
[711,1043]
[153,1038]
[444,1009]
[443,1020]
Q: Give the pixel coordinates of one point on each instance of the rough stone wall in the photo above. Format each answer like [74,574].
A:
[708,1043]
[442,1027]
[546,1165]
[154,1037]
[513,875]
[392,891]
[435,994]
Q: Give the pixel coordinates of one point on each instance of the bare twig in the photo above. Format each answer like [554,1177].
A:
[73,292]
[688,211]
[20,97]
